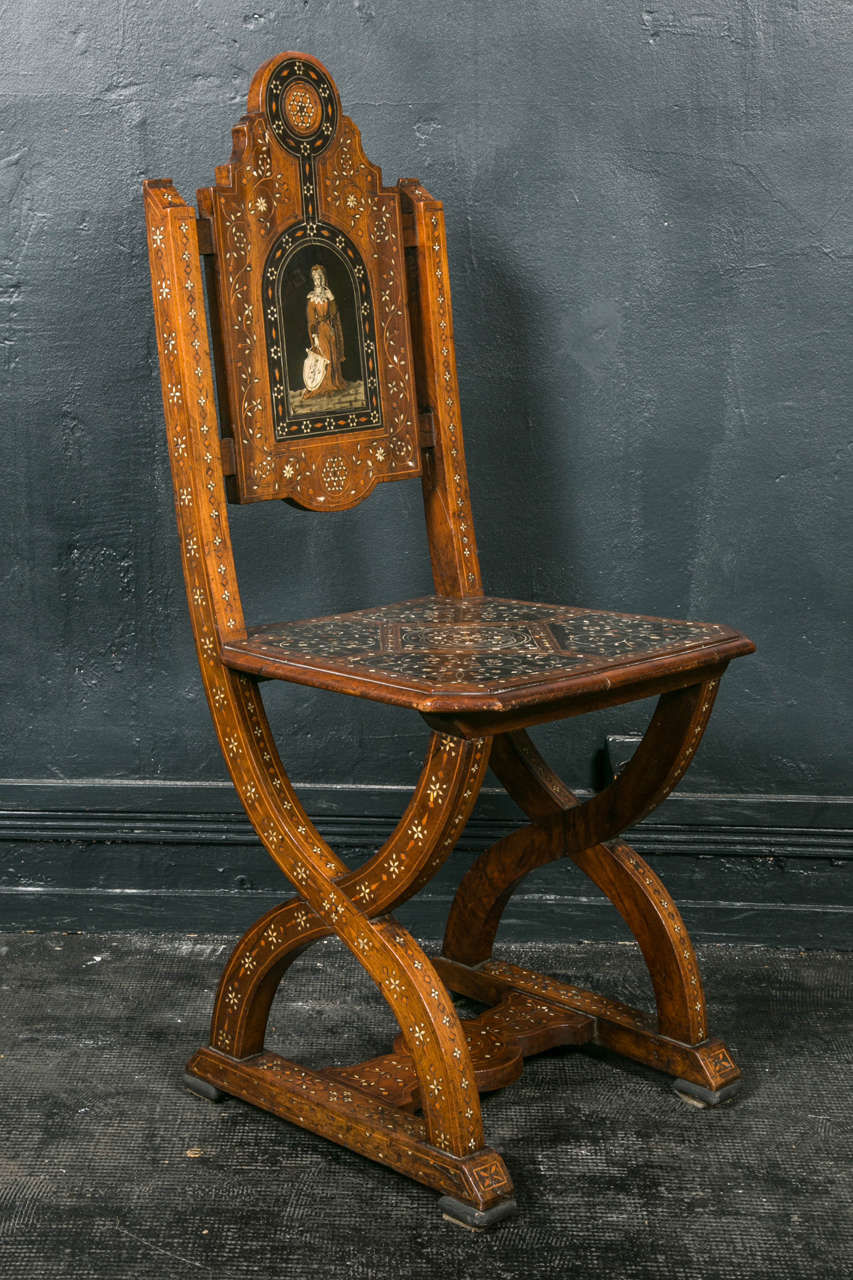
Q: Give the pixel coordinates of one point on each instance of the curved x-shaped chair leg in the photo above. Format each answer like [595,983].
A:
[446,1147]
[562,826]
[421,842]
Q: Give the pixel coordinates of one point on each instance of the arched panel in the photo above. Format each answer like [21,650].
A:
[321,336]
[317,378]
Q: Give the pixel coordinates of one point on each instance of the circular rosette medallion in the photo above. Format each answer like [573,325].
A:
[302,106]
[335,474]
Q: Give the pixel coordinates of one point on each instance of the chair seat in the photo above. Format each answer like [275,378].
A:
[441,655]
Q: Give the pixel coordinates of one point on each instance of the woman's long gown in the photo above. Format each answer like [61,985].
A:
[326,336]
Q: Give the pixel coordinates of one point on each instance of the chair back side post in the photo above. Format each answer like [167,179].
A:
[444,476]
[189,400]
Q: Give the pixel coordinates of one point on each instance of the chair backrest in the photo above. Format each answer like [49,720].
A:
[316,349]
[329,316]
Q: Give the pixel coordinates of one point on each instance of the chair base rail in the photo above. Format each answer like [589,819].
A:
[625,1031]
[353,1118]
[372,1107]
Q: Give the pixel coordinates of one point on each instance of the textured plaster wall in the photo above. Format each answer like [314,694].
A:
[651,238]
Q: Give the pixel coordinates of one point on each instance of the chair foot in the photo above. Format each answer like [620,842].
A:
[204,1089]
[696,1095]
[465,1215]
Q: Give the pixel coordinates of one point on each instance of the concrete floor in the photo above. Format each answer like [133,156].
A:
[109,1168]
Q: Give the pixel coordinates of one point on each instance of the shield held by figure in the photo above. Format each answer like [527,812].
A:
[314,369]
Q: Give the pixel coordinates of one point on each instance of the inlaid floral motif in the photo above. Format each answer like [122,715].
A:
[448,406]
[349,189]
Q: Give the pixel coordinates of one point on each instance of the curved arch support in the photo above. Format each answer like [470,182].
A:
[423,839]
[329,904]
[562,826]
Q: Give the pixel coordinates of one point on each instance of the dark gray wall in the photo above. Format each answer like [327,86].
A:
[651,239]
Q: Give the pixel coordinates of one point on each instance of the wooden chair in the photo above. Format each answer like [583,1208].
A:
[329,353]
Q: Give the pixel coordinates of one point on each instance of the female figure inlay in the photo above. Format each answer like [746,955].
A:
[325,335]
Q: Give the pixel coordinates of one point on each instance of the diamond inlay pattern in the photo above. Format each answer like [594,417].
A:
[438,643]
